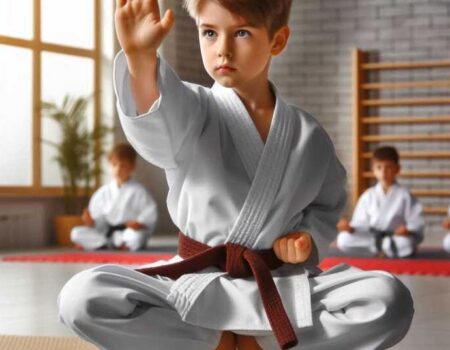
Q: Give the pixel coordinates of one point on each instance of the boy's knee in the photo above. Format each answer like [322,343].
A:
[135,239]
[446,243]
[343,239]
[76,233]
[73,299]
[404,246]
[397,300]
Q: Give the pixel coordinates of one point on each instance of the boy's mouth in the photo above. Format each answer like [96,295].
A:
[224,69]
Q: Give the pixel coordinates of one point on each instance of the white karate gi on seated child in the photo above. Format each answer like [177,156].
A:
[387,220]
[245,168]
[122,213]
[446,226]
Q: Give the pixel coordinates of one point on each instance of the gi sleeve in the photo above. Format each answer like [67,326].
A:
[321,215]
[169,129]
[96,204]
[361,218]
[148,214]
[414,216]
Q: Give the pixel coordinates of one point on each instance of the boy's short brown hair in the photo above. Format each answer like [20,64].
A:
[123,151]
[273,14]
[386,153]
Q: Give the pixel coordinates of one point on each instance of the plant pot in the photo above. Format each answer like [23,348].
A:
[63,226]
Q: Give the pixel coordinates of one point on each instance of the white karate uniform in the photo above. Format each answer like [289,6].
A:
[226,185]
[384,212]
[446,241]
[114,205]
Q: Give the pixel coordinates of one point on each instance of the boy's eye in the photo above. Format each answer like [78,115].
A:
[242,33]
[208,33]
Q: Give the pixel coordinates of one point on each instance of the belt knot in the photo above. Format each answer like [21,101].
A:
[236,264]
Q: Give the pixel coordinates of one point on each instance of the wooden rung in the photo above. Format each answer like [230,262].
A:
[430,193]
[424,174]
[406,65]
[16,42]
[407,85]
[409,137]
[69,50]
[424,101]
[435,211]
[406,120]
[414,155]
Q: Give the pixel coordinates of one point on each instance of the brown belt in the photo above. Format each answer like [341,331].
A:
[239,262]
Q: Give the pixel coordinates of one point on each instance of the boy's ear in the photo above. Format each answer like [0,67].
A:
[280,40]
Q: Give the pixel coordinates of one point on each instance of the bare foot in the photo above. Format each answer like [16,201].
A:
[245,342]
[227,342]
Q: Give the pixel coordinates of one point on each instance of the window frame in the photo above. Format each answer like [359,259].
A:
[37,46]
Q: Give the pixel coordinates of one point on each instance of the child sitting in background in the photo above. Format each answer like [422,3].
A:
[387,219]
[446,226]
[121,214]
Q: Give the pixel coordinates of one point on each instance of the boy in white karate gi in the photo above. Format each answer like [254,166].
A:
[388,219]
[121,214]
[254,185]
[446,226]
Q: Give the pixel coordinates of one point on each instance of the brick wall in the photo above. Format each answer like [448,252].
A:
[315,71]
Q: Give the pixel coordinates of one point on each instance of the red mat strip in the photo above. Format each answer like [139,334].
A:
[397,266]
[91,258]
[431,267]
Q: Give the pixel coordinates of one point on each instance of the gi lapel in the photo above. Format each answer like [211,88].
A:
[245,136]
[386,211]
[265,164]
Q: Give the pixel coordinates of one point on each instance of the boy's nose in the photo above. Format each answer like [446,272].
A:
[226,54]
[223,49]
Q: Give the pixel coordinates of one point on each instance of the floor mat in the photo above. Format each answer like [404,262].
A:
[91,258]
[432,267]
[13,342]
[416,266]
[423,252]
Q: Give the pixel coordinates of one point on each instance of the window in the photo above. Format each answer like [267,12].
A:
[49,48]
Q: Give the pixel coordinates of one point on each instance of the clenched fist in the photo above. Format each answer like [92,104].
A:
[446,224]
[294,248]
[402,230]
[344,225]
[135,225]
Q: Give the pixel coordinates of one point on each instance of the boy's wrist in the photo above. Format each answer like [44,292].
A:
[141,62]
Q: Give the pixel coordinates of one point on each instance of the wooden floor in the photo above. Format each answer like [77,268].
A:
[28,295]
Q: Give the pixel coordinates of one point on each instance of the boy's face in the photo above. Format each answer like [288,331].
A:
[120,169]
[385,171]
[234,53]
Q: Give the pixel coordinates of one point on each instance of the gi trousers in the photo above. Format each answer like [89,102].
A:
[117,308]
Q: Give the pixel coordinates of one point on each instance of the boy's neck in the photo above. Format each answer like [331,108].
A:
[121,182]
[386,186]
[257,95]
[260,104]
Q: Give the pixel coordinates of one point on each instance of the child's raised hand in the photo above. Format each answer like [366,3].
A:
[139,26]
[401,231]
[294,247]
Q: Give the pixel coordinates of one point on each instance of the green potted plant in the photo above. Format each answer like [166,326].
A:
[78,155]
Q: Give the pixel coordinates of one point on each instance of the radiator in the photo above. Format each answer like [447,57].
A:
[22,226]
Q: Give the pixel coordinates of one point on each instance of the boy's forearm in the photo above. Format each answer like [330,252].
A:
[143,80]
